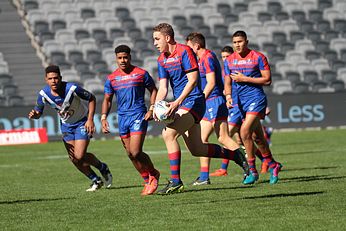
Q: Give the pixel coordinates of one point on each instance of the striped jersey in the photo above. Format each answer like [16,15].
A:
[129,89]
[175,67]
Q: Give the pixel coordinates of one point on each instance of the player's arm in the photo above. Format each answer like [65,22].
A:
[33,114]
[89,125]
[192,79]
[210,84]
[106,107]
[227,84]
[264,79]
[36,112]
[153,94]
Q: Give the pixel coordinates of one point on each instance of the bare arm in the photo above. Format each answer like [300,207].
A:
[89,125]
[210,84]
[264,80]
[153,93]
[228,90]
[106,107]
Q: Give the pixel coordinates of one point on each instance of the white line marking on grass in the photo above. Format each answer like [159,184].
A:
[9,165]
[52,157]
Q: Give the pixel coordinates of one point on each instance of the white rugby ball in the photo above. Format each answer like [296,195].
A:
[160,110]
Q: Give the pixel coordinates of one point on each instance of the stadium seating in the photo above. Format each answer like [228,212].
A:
[302,39]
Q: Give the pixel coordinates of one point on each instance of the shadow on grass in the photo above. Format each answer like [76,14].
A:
[300,152]
[34,200]
[312,178]
[283,195]
[312,168]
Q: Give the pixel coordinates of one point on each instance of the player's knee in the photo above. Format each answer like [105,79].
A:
[133,154]
[222,139]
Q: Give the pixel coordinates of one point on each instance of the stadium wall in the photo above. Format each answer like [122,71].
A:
[287,112]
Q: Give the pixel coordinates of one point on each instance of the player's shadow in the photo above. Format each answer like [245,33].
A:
[283,195]
[310,178]
[34,200]
[300,152]
[126,187]
[190,189]
[310,168]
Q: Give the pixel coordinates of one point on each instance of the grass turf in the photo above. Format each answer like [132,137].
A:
[41,190]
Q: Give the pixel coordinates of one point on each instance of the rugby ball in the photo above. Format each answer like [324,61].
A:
[160,110]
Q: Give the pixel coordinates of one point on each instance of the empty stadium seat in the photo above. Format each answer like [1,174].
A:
[87,13]
[301,88]
[58,24]
[310,76]
[223,8]
[264,16]
[282,86]
[338,85]
[328,75]
[312,54]
[75,56]
[15,100]
[323,26]
[70,76]
[81,66]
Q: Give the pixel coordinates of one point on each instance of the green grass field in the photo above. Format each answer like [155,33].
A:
[41,190]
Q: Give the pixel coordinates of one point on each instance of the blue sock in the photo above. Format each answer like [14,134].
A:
[92,176]
[204,173]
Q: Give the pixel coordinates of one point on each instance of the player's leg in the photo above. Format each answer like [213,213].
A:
[75,149]
[126,141]
[207,129]
[246,131]
[136,152]
[274,167]
[221,130]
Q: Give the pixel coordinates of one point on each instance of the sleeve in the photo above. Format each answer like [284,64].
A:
[39,103]
[209,65]
[108,89]
[227,71]
[163,74]
[148,80]
[189,61]
[263,63]
[82,93]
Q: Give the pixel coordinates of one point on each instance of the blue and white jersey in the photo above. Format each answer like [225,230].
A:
[72,106]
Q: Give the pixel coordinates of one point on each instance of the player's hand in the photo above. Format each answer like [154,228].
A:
[90,127]
[172,108]
[149,115]
[33,114]
[229,103]
[238,77]
[105,126]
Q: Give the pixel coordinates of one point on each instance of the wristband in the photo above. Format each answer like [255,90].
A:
[151,108]
[103,117]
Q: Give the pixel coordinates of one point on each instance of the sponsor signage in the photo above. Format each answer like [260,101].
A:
[23,136]
[287,112]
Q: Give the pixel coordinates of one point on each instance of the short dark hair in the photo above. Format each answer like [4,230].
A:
[227,49]
[240,33]
[165,29]
[196,37]
[122,48]
[53,68]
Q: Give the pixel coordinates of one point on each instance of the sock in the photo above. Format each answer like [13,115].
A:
[92,176]
[174,162]
[268,158]
[224,164]
[259,155]
[252,165]
[204,173]
[145,176]
[103,167]
[216,151]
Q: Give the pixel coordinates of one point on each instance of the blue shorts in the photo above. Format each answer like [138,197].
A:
[76,131]
[253,105]
[196,107]
[234,116]
[216,109]
[132,124]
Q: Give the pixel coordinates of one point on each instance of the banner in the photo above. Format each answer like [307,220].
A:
[23,136]
[291,111]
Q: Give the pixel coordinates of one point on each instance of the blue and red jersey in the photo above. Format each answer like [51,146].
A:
[208,64]
[175,67]
[251,66]
[129,89]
